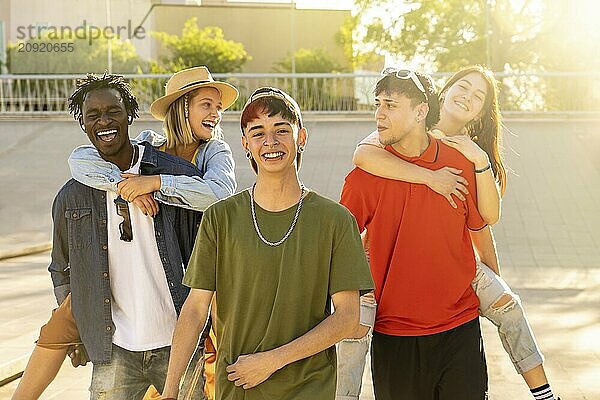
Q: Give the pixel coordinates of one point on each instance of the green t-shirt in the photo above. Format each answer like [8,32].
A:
[269,296]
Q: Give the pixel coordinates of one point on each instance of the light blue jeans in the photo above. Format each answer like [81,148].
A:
[513,328]
[351,355]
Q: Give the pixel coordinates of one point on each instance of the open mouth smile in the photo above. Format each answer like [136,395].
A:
[461,105]
[107,135]
[210,125]
[274,155]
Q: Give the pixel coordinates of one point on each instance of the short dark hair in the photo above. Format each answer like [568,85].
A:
[406,87]
[271,106]
[93,82]
[284,105]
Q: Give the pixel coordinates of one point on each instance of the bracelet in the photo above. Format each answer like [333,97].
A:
[478,171]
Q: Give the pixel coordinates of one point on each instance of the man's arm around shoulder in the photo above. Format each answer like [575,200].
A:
[251,370]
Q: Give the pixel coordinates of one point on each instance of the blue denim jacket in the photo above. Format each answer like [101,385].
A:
[80,253]
[215,181]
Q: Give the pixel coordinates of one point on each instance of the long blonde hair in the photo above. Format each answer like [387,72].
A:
[176,125]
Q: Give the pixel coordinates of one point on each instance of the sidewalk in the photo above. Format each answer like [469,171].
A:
[27,299]
[24,243]
[548,240]
[563,309]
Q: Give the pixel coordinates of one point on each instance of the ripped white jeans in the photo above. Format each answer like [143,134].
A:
[513,328]
[352,354]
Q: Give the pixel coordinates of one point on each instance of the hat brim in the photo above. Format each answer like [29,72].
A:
[160,106]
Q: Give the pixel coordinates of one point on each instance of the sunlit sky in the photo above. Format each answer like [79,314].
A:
[328,4]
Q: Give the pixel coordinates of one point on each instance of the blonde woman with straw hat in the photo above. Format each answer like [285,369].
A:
[191,110]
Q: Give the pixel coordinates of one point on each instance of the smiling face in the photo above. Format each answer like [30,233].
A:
[205,109]
[465,99]
[105,121]
[273,142]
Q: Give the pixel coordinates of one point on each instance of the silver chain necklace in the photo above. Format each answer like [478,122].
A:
[289,232]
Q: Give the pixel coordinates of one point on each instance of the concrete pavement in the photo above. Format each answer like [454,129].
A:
[27,301]
[548,239]
[559,311]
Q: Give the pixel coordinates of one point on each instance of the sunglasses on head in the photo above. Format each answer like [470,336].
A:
[405,74]
[125,226]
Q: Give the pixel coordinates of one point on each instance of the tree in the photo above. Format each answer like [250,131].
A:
[506,36]
[309,61]
[61,56]
[197,46]
[316,93]
[71,56]
[449,34]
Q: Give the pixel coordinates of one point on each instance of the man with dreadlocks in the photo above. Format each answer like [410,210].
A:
[117,269]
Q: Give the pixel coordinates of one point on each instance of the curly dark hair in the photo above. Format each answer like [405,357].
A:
[93,82]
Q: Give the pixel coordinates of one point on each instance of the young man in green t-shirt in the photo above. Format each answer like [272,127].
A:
[275,255]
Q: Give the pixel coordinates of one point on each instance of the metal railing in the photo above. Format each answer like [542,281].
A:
[542,92]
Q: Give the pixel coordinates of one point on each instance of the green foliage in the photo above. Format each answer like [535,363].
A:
[197,46]
[506,36]
[64,55]
[310,61]
[453,33]
[71,56]
[316,93]
[366,54]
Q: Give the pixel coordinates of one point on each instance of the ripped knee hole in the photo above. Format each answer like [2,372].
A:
[505,303]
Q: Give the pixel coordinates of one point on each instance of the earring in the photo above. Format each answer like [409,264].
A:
[248,155]
[418,120]
[300,149]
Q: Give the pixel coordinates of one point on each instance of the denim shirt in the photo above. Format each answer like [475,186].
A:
[215,181]
[80,250]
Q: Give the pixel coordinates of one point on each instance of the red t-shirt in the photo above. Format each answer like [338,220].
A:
[421,254]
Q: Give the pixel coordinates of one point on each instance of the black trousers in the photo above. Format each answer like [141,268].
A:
[445,366]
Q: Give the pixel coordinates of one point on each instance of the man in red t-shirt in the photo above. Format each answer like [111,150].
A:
[426,340]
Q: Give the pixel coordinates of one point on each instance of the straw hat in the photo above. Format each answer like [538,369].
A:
[187,80]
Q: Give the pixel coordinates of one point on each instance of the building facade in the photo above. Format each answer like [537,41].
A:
[268,31]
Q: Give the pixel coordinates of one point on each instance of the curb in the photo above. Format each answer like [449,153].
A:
[13,370]
[25,250]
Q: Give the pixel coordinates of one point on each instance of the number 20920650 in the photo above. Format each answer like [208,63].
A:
[45,47]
